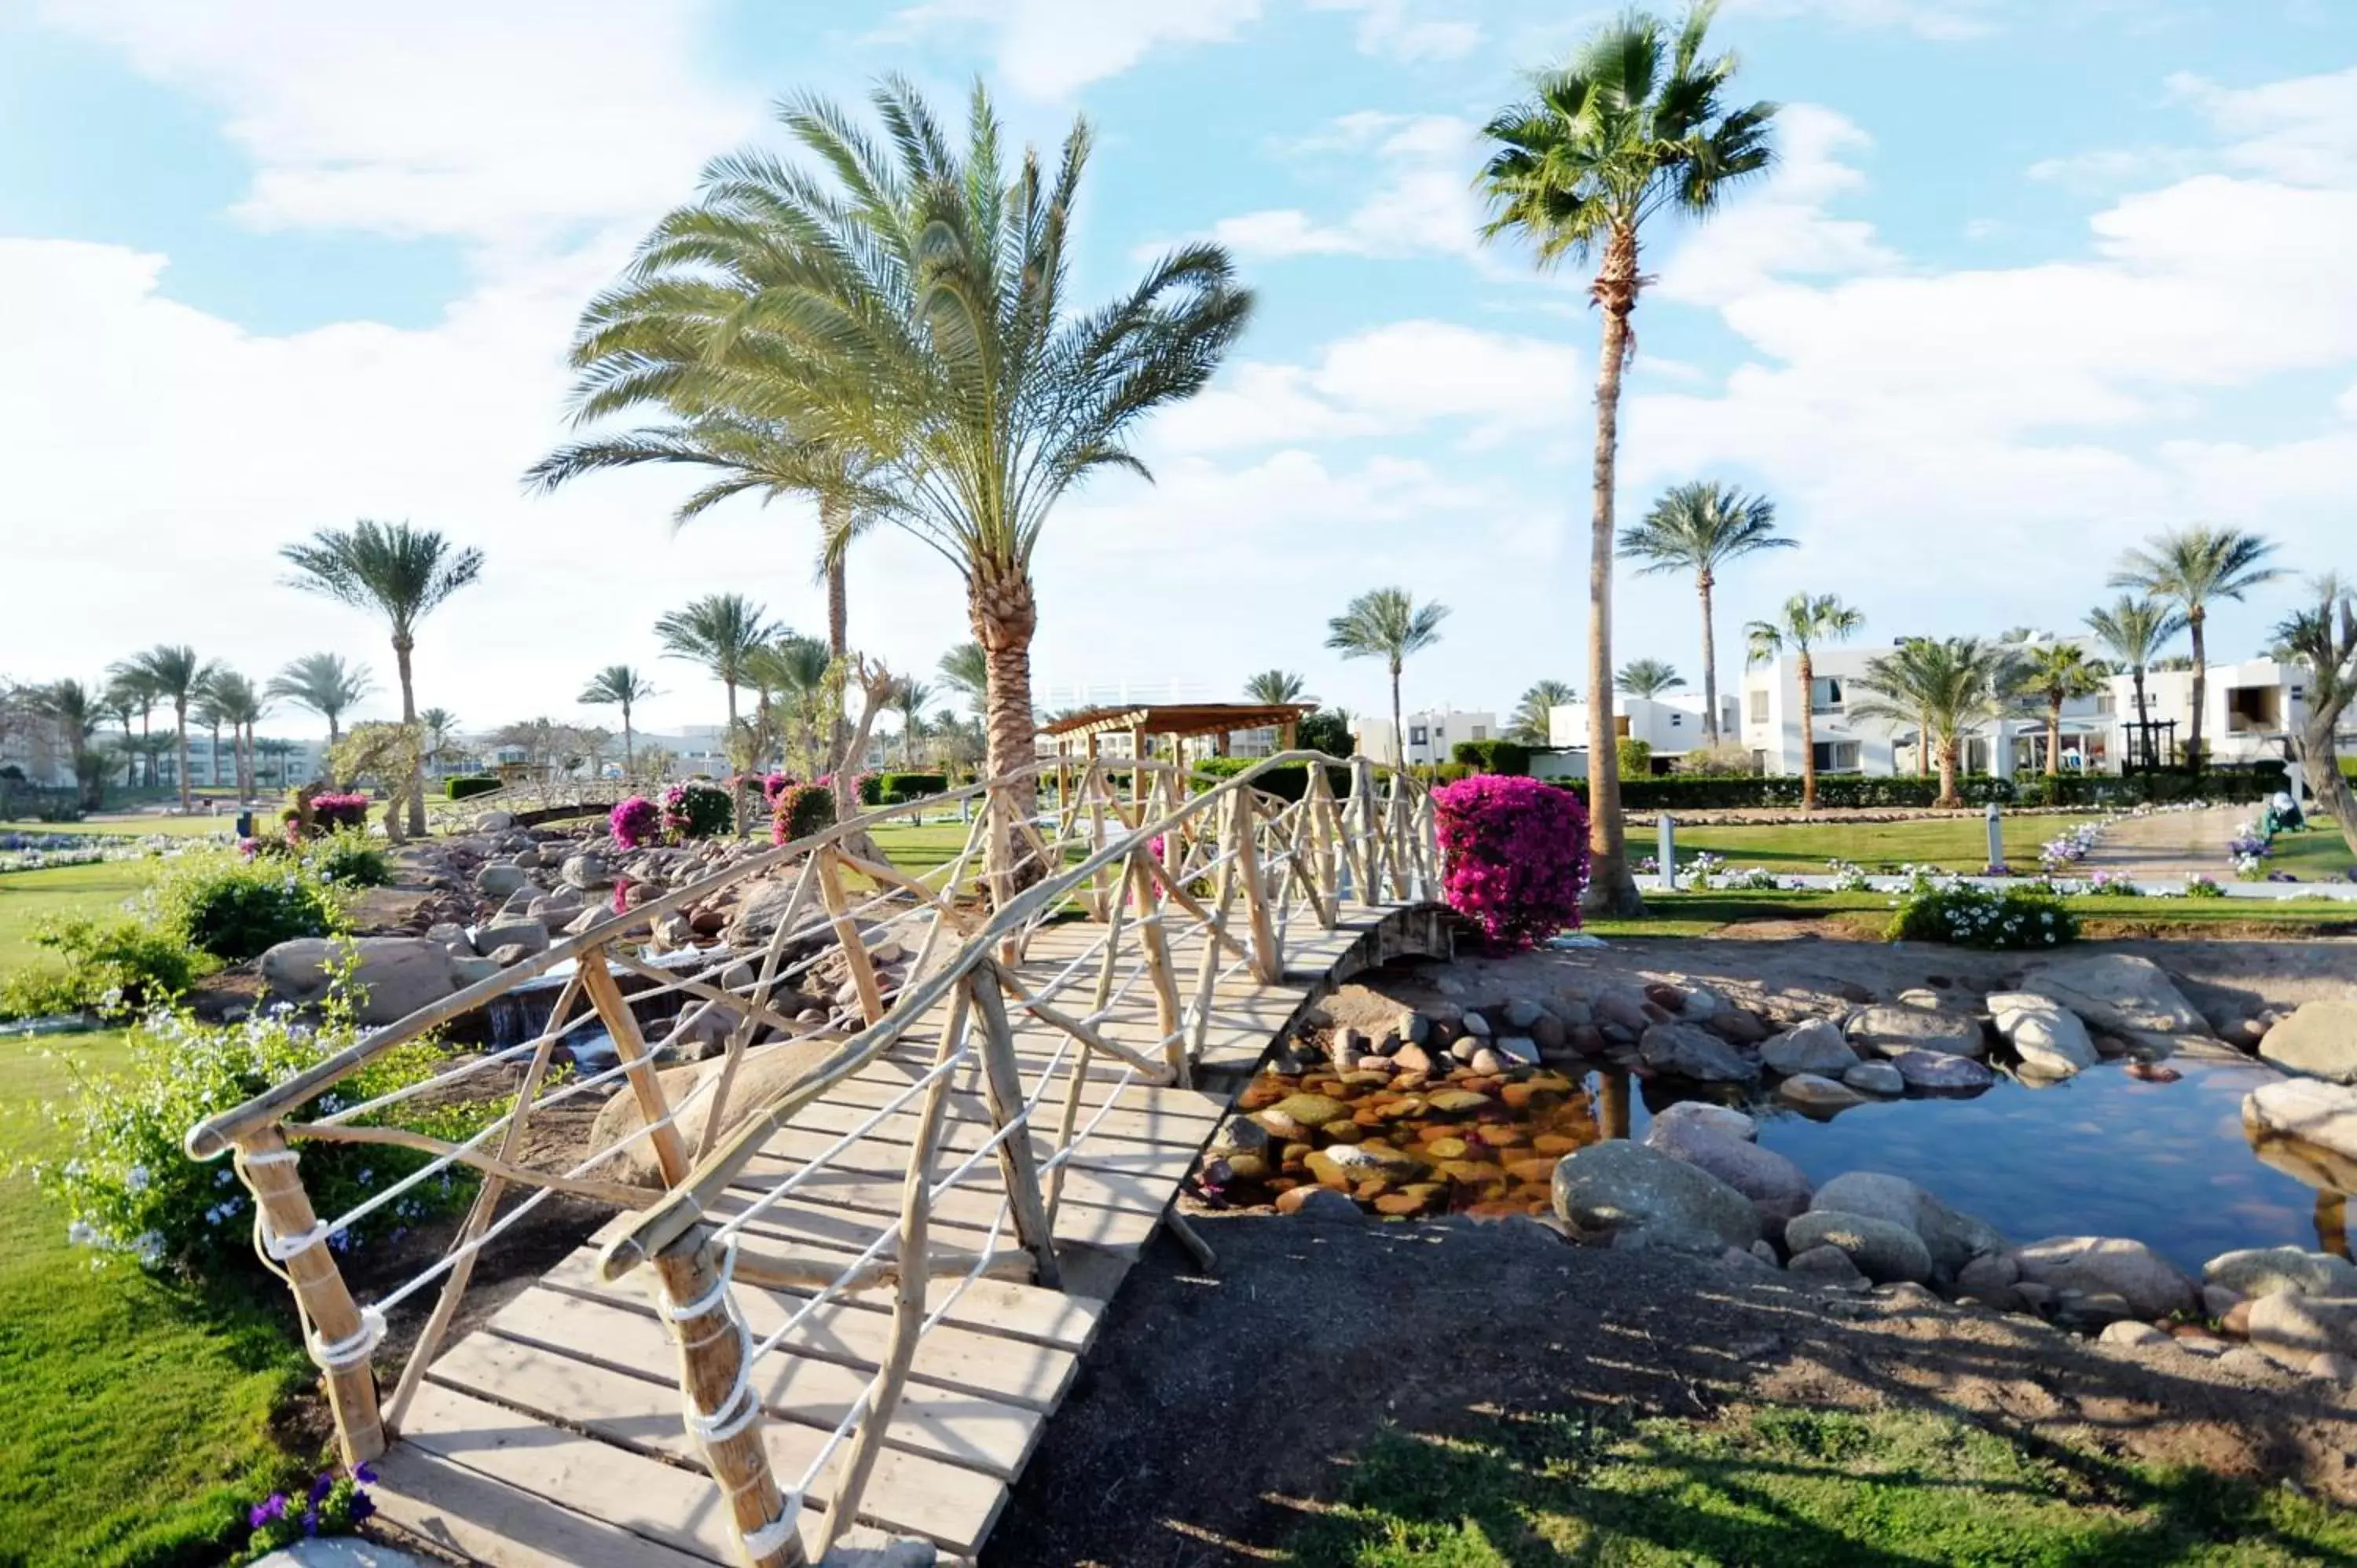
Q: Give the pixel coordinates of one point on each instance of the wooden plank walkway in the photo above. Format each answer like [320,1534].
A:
[553,1434]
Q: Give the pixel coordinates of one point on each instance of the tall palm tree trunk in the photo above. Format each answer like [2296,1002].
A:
[1610,889]
[1710,664]
[1005,612]
[629,747]
[1948,749]
[2054,737]
[181,752]
[1923,743]
[213,762]
[400,649]
[1808,735]
[2144,725]
[1399,725]
[148,741]
[2194,620]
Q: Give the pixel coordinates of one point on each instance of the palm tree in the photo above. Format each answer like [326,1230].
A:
[281,750]
[129,689]
[2189,567]
[1648,678]
[619,685]
[2134,628]
[908,700]
[210,713]
[719,631]
[2324,639]
[1274,687]
[441,727]
[324,683]
[803,676]
[965,669]
[404,573]
[1531,717]
[1634,125]
[908,301]
[239,705]
[76,711]
[1799,627]
[2054,672]
[1951,687]
[1386,624]
[1699,528]
[174,674]
[118,702]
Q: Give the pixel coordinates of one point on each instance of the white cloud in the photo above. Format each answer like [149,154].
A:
[1938,19]
[2303,130]
[1390,27]
[1051,49]
[1419,201]
[1784,229]
[2108,169]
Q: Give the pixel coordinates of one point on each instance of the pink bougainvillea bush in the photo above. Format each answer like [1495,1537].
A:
[637,821]
[800,811]
[1516,852]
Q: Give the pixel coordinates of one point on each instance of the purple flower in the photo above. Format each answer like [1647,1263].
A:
[271,1508]
[311,1519]
[363,1507]
[634,822]
[320,1487]
[364,1473]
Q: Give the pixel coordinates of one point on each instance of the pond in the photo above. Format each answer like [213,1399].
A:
[2103,1153]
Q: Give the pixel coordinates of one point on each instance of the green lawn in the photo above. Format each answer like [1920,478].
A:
[917,847]
[1956,843]
[135,1419]
[2315,854]
[1792,1487]
[28,897]
[1700,914]
[136,826]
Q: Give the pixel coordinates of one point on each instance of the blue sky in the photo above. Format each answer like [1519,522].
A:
[2030,281]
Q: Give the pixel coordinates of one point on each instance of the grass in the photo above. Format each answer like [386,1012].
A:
[1795,1488]
[26,898]
[1956,843]
[2314,854]
[136,826]
[138,1426]
[1702,914]
[917,847]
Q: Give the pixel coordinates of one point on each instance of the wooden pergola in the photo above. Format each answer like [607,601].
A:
[1145,721]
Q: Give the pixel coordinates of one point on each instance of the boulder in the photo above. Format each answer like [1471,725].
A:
[2048,1036]
[1830,1267]
[2122,995]
[2279,1271]
[467,970]
[501,881]
[587,871]
[1723,1120]
[1620,1013]
[1640,1197]
[2150,1283]
[1521,1012]
[529,935]
[1815,1046]
[1321,1203]
[863,1548]
[2319,1039]
[2137,1336]
[1882,1249]
[494,822]
[1886,1031]
[1952,1238]
[2295,1329]
[1875,1078]
[1777,1188]
[1689,1051]
[764,1073]
[394,976]
[1807,1091]
[2307,1112]
[1937,1071]
[450,935]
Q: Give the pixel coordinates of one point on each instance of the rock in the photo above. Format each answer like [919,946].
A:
[2336,1367]
[1412,1027]
[1520,1050]
[2217,1301]
[1550,1034]
[1487,1062]
[1875,1078]
[509,955]
[2235,1319]
[2254,1364]
[2319,1039]
[1777,1188]
[527,858]
[1952,1238]
[1828,1266]
[864,1548]
[1930,998]
[1312,1109]
[529,935]
[2274,1271]
[1723,1120]
[342,1551]
[1815,1046]
[2121,995]
[501,881]
[1883,1250]
[2048,1036]
[587,871]
[2090,1309]
[2295,1328]
[1322,1203]
[2311,1114]
[1521,1012]
[1745,1260]
[2149,1284]
[1909,1296]
[1933,1071]
[1887,1031]
[469,969]
[494,822]
[1819,1096]
[1991,1276]
[1239,1135]
[1477,1026]
[1462,1049]
[1642,1198]
[1620,1013]
[584,920]
[451,937]
[764,1073]
[1691,1052]
[2127,1331]
[394,976]
[1412,1058]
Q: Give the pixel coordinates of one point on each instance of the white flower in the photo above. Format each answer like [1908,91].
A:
[136,1179]
[81,1234]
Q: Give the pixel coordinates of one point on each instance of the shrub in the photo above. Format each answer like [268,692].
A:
[331,814]
[696,811]
[468,787]
[635,822]
[1636,757]
[112,967]
[237,909]
[334,1504]
[869,788]
[802,810]
[1964,915]
[348,858]
[1287,780]
[898,788]
[130,1192]
[1510,758]
[1516,852]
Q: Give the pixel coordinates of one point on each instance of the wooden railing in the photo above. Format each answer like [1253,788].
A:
[530,797]
[1147,867]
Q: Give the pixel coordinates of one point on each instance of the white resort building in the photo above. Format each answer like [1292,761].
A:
[1670,726]
[1431,734]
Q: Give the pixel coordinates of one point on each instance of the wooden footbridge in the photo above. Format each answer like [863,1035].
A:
[858,1291]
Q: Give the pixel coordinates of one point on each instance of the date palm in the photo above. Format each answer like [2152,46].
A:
[1648,678]
[210,713]
[906,298]
[1635,126]
[619,687]
[240,706]
[1699,528]
[1951,686]
[76,711]
[129,689]
[1386,624]
[965,669]
[171,674]
[1803,626]
[2190,568]
[324,683]
[404,575]
[720,632]
[909,699]
[1277,686]
[440,732]
[806,681]
[119,703]
[2134,628]
[2053,673]
[1531,723]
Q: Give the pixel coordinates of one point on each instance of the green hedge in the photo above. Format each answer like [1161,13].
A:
[898,788]
[1511,757]
[1697,792]
[1287,781]
[464,787]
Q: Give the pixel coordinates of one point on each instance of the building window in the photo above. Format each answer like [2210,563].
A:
[1825,695]
[1676,719]
[1480,732]
[1836,756]
[1416,734]
[1760,707]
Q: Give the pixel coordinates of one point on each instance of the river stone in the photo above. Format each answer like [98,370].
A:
[397,974]
[2319,1039]
[1620,1013]
[529,935]
[1689,1051]
[2122,995]
[1811,1091]
[1828,1266]
[1521,1012]
[1723,1120]
[587,871]
[1884,1251]
[1886,1031]
[1875,1078]
[2137,1336]
[1813,1045]
[501,881]
[2047,1036]
[764,1074]
[1952,1238]
[1318,1202]
[2295,1328]
[1937,1071]
[494,822]
[2306,1110]
[466,969]
[1642,1198]
[2150,1283]
[1776,1186]
[1239,1135]
[2276,1270]
[1312,1109]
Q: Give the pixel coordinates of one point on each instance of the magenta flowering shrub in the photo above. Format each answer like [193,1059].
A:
[635,822]
[695,810]
[1516,856]
[330,812]
[800,811]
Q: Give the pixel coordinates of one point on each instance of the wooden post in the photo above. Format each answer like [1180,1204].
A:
[846,935]
[714,1381]
[1156,943]
[1207,972]
[614,1011]
[1267,961]
[268,1167]
[1018,1165]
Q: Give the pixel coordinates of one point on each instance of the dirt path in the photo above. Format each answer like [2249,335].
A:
[2169,844]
